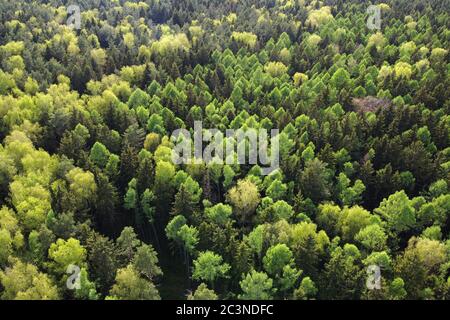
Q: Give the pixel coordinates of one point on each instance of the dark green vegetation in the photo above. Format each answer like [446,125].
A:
[86,176]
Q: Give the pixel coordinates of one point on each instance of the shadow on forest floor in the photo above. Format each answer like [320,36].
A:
[174,284]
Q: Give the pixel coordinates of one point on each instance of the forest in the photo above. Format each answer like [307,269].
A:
[93,207]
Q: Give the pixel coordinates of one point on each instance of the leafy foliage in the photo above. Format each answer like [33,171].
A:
[86,170]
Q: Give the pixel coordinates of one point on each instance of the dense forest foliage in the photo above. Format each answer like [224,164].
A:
[89,191]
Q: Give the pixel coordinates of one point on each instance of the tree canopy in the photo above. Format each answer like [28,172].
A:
[94,205]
